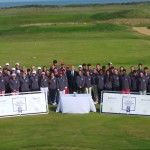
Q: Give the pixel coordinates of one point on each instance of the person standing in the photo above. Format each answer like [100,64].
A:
[115,81]
[125,83]
[142,84]
[34,82]
[52,88]
[80,80]
[24,83]
[43,83]
[2,85]
[134,81]
[94,86]
[72,75]
[100,84]
[108,81]
[14,84]
[88,83]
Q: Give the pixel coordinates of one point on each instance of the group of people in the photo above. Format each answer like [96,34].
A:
[63,79]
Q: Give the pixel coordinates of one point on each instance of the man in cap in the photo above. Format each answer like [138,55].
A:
[61,83]
[43,82]
[7,66]
[115,81]
[2,84]
[34,82]
[24,83]
[17,66]
[140,69]
[39,70]
[62,66]
[13,70]
[14,84]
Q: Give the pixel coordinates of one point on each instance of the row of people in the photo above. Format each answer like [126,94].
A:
[86,79]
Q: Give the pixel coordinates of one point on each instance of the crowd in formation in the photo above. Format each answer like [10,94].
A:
[63,79]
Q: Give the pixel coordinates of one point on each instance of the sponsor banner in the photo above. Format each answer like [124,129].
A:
[126,104]
[24,104]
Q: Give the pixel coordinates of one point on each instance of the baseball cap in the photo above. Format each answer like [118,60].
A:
[33,72]
[13,74]
[17,64]
[80,66]
[110,63]
[18,71]
[0,67]
[13,69]
[7,64]
[43,73]
[67,67]
[0,71]
[39,68]
[62,63]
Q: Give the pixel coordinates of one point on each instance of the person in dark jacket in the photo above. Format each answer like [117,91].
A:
[142,84]
[2,84]
[100,84]
[24,83]
[115,81]
[125,83]
[134,81]
[108,81]
[72,75]
[43,83]
[61,83]
[148,86]
[14,84]
[34,82]
[94,86]
[7,78]
[52,88]
[80,80]
[88,83]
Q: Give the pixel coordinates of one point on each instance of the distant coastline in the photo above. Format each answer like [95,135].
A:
[67,3]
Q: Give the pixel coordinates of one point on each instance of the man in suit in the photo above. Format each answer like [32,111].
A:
[72,75]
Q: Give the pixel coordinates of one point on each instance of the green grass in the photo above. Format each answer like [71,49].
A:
[62,131]
[93,34]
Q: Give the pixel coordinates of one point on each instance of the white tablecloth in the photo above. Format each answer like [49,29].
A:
[79,104]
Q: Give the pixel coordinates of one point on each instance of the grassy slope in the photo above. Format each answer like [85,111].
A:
[92,42]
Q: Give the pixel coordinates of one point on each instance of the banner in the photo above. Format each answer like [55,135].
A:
[126,104]
[24,104]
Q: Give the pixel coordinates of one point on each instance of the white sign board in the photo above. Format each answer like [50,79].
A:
[126,103]
[24,104]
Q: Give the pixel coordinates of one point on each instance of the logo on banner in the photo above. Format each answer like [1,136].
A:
[19,104]
[128,103]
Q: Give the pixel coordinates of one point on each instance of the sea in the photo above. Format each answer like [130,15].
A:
[17,3]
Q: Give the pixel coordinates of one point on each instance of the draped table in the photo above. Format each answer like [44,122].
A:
[75,104]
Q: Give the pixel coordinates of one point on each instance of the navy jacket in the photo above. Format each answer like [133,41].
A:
[88,82]
[24,84]
[100,82]
[34,83]
[125,82]
[142,83]
[2,84]
[61,83]
[53,83]
[14,84]
[80,81]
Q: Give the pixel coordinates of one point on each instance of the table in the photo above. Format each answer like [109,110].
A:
[79,104]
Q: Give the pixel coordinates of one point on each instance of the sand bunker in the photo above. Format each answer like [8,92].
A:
[142,30]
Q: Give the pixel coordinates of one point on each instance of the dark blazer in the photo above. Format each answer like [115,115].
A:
[72,81]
